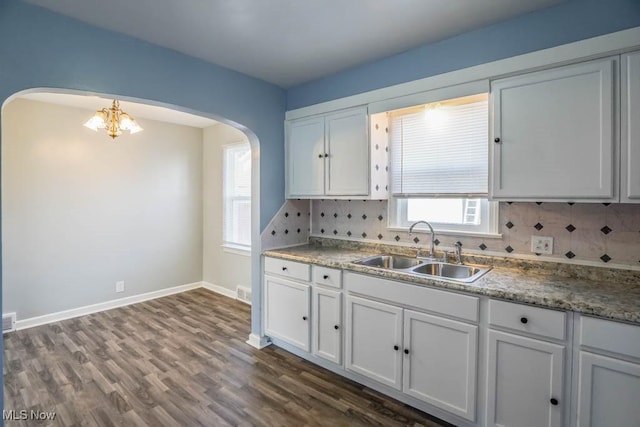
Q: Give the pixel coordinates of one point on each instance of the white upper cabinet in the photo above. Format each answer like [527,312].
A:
[306,153]
[332,155]
[347,167]
[553,134]
[630,156]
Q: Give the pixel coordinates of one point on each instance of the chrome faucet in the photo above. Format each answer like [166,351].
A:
[458,247]
[433,236]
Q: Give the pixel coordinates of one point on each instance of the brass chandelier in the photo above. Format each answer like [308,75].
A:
[114,121]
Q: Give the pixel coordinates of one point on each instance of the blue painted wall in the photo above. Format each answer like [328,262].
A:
[567,22]
[39,48]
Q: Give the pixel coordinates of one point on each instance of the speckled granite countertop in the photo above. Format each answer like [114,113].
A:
[603,292]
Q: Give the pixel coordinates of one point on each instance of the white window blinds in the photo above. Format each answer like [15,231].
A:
[237,195]
[441,150]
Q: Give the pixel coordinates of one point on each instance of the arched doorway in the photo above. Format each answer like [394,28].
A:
[255,221]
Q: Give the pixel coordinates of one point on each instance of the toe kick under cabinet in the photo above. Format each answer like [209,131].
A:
[469,360]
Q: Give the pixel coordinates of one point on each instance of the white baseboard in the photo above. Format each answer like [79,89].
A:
[94,308]
[258,342]
[220,290]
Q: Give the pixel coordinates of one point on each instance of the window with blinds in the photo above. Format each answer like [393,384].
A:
[439,166]
[237,196]
[441,149]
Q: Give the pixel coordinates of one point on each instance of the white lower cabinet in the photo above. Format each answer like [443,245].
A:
[608,391]
[287,311]
[524,381]
[423,343]
[327,324]
[440,362]
[427,357]
[374,340]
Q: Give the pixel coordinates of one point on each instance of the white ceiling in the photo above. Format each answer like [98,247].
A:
[288,42]
[138,111]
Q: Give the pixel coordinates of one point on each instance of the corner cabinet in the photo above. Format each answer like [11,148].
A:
[554,134]
[630,135]
[330,155]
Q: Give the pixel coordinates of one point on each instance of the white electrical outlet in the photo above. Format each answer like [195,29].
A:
[542,245]
[120,286]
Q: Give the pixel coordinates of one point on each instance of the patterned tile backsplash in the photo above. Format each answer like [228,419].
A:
[594,232]
[290,226]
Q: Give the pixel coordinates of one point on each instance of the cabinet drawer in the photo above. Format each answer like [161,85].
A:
[327,277]
[291,269]
[524,318]
[606,335]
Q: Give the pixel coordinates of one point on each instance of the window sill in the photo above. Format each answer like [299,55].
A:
[486,235]
[236,249]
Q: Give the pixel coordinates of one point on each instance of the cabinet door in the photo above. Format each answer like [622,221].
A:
[347,168]
[555,134]
[630,163]
[608,393]
[287,311]
[374,340]
[523,377]
[305,157]
[440,362]
[327,324]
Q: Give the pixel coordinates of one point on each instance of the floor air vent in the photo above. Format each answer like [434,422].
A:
[8,322]
[244,294]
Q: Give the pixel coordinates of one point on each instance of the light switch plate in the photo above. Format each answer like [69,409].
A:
[542,245]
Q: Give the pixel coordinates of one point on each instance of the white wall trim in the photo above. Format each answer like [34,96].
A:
[102,306]
[596,47]
[258,342]
[121,302]
[220,290]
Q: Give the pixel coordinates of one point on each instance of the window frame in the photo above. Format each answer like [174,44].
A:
[229,245]
[397,205]
[488,228]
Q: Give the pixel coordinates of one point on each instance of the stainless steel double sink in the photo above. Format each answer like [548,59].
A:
[426,267]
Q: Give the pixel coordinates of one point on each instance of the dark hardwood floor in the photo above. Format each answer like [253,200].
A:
[181,360]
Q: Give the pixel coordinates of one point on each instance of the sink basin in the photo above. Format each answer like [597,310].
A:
[426,267]
[464,273]
[390,262]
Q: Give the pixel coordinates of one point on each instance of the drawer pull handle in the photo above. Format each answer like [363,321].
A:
[336,327]
[304,317]
[406,351]
[396,348]
[284,268]
[554,401]
[325,277]
[524,320]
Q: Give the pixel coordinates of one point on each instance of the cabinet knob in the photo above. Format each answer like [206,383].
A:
[523,320]
[284,268]
[406,351]
[496,140]
[396,348]
[326,155]
[320,156]
[325,277]
[304,317]
[336,327]
[554,401]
